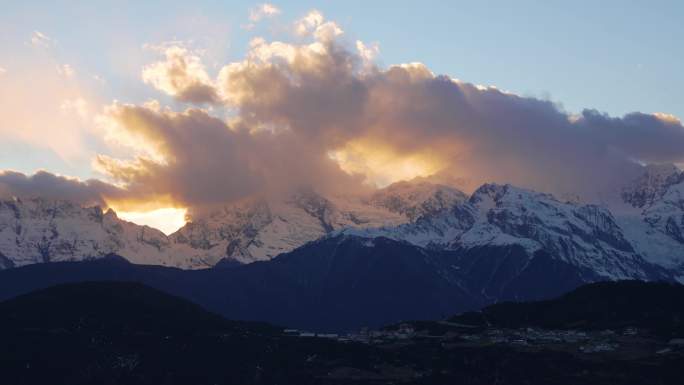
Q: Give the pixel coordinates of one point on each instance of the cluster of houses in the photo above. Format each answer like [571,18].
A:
[589,342]
[365,335]
[584,342]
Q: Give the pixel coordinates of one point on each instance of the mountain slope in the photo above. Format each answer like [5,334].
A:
[343,283]
[584,236]
[38,231]
[622,242]
[652,216]
[654,306]
[340,282]
[417,199]
[107,307]
[258,230]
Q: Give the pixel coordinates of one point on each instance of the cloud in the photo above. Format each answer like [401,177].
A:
[262,11]
[309,22]
[369,115]
[181,75]
[77,106]
[367,52]
[202,162]
[320,113]
[2,71]
[66,70]
[314,24]
[47,185]
[39,39]
[99,79]
[36,105]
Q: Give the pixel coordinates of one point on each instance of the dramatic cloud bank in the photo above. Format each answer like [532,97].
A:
[43,184]
[199,160]
[322,114]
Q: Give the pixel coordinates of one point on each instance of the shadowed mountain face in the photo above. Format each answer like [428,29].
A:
[339,283]
[128,333]
[335,284]
[110,307]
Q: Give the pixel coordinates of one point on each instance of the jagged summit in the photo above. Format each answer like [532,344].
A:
[38,230]
[417,199]
[586,236]
[652,184]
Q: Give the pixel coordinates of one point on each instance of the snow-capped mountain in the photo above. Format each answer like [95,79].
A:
[659,193]
[417,199]
[617,242]
[36,230]
[259,229]
[650,187]
[652,215]
[585,236]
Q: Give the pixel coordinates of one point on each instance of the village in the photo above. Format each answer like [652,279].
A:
[629,340]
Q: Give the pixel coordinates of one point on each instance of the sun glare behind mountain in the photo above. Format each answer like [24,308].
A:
[166,220]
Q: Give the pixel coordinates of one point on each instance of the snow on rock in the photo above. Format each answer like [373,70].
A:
[667,213]
[655,223]
[585,236]
[648,188]
[259,230]
[37,230]
[648,230]
[417,199]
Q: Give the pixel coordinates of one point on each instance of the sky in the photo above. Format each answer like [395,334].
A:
[141,105]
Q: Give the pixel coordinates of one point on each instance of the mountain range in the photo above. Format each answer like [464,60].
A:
[413,250]
[38,230]
[626,236]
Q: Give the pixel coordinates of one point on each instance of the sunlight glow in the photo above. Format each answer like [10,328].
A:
[167,220]
[383,167]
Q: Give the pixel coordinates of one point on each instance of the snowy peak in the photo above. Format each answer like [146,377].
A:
[40,230]
[584,236]
[260,230]
[417,199]
[243,219]
[652,184]
[528,214]
[317,206]
[667,213]
[656,225]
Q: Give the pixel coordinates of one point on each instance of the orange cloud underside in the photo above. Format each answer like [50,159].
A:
[382,166]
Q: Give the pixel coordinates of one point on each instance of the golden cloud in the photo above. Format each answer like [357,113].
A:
[181,75]
[321,114]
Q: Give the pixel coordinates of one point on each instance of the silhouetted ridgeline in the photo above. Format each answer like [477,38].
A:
[655,306]
[127,333]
